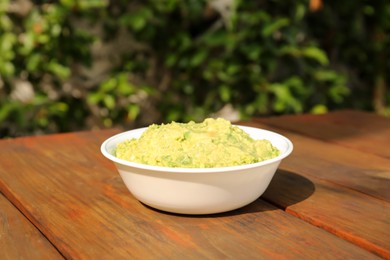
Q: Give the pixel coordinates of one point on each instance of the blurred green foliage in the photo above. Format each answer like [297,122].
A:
[80,64]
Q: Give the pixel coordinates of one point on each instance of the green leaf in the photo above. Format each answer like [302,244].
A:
[284,100]
[319,109]
[232,69]
[43,38]
[109,84]
[324,75]
[137,20]
[252,51]
[107,122]
[5,110]
[28,43]
[5,22]
[33,62]
[171,59]
[7,69]
[300,11]
[55,30]
[90,4]
[109,101]
[94,97]
[316,54]
[290,50]
[7,42]
[125,88]
[214,39]
[338,93]
[68,3]
[4,5]
[274,26]
[261,103]
[58,108]
[224,93]
[198,58]
[133,111]
[58,69]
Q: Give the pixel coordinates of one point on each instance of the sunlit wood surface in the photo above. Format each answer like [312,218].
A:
[60,198]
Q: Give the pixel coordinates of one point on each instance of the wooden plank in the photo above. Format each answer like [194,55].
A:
[365,172]
[346,213]
[363,131]
[19,239]
[350,190]
[66,188]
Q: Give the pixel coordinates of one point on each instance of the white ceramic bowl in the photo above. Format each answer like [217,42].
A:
[198,190]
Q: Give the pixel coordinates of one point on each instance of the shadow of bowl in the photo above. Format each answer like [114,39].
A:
[288,188]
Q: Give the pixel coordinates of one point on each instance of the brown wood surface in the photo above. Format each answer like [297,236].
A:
[362,131]
[365,172]
[351,194]
[76,198]
[346,213]
[19,239]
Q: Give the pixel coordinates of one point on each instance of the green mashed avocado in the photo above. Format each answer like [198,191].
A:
[212,143]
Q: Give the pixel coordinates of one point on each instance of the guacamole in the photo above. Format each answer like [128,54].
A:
[211,143]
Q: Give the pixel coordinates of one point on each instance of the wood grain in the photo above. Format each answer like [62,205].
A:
[351,190]
[346,213]
[364,172]
[362,131]
[19,239]
[76,198]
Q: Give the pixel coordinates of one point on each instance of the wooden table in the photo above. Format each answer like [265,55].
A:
[60,198]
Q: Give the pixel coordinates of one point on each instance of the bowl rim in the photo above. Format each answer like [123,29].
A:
[108,155]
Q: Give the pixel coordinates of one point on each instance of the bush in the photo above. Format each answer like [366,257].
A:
[82,64]
[355,35]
